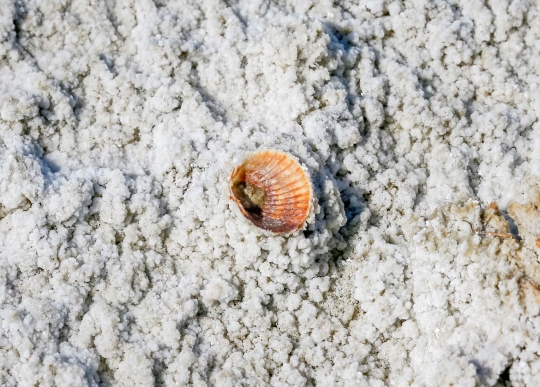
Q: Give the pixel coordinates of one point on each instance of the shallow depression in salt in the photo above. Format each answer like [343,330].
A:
[124,262]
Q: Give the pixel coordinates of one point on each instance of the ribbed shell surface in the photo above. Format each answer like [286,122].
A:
[286,186]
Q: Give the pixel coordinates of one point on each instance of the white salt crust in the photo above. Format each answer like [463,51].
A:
[124,263]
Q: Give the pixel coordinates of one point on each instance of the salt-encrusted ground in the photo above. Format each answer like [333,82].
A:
[124,263]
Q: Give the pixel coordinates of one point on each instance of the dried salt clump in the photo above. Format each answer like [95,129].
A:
[527,217]
[445,250]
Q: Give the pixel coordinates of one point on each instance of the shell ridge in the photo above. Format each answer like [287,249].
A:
[283,165]
[273,166]
[291,189]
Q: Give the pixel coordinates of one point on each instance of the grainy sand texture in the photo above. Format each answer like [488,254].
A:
[123,261]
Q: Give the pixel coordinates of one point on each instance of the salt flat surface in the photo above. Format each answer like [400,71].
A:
[123,262]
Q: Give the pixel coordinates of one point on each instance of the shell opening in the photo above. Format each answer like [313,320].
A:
[251,198]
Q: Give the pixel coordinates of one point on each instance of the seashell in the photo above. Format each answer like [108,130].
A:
[272,191]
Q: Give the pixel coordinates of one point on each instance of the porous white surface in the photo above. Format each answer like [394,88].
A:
[124,263]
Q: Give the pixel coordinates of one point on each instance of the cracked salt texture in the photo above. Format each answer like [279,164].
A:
[123,261]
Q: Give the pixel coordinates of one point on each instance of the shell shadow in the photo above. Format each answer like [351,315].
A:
[355,205]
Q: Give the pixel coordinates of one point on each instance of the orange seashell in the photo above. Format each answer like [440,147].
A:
[272,190]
